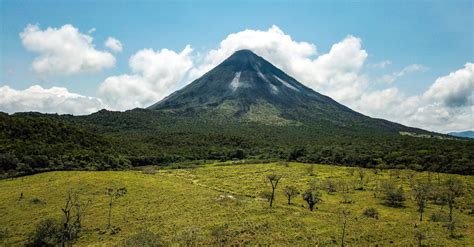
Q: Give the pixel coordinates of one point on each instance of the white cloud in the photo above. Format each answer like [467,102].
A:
[338,74]
[446,106]
[155,75]
[455,89]
[113,44]
[408,69]
[335,73]
[91,30]
[64,51]
[381,65]
[52,100]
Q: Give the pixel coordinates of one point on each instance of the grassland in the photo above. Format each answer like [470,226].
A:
[219,204]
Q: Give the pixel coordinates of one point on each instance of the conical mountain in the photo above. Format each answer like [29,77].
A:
[246,78]
[247,87]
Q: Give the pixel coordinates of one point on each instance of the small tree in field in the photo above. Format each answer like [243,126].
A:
[421,193]
[361,175]
[454,188]
[312,196]
[274,179]
[344,218]
[113,195]
[310,170]
[290,191]
[73,211]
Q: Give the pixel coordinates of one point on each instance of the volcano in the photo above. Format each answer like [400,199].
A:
[247,88]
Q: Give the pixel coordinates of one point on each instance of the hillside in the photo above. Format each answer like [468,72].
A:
[33,142]
[220,204]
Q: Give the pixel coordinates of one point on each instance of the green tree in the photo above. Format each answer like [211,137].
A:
[113,194]
[274,179]
[421,193]
[290,191]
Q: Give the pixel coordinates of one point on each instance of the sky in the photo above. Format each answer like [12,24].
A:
[406,61]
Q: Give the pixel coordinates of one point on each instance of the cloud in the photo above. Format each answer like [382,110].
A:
[455,89]
[113,44]
[52,100]
[447,105]
[381,65]
[408,69]
[91,30]
[64,51]
[155,75]
[335,72]
[338,74]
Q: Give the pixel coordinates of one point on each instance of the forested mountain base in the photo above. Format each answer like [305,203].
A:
[33,142]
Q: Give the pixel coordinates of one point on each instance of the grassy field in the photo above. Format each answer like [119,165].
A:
[219,203]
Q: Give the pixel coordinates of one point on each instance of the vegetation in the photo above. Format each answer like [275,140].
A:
[33,142]
[225,208]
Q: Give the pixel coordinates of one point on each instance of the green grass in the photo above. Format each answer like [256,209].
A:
[183,205]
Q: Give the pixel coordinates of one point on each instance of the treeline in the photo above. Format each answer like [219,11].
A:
[31,143]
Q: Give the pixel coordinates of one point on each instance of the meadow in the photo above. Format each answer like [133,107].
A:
[221,204]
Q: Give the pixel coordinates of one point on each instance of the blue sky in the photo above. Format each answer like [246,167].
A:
[437,35]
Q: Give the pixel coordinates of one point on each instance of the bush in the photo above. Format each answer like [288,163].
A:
[144,239]
[37,201]
[439,217]
[267,195]
[371,213]
[393,197]
[149,171]
[47,233]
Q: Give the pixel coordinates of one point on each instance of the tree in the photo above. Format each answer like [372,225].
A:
[312,196]
[454,188]
[310,170]
[344,217]
[344,188]
[421,192]
[290,191]
[420,235]
[274,179]
[361,175]
[113,195]
[73,212]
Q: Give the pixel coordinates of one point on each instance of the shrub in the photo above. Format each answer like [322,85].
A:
[439,217]
[37,201]
[149,171]
[393,197]
[46,233]
[143,238]
[267,195]
[371,213]
[330,186]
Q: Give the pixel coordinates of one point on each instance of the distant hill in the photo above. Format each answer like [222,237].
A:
[467,134]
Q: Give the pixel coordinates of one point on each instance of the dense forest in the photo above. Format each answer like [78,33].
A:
[34,142]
